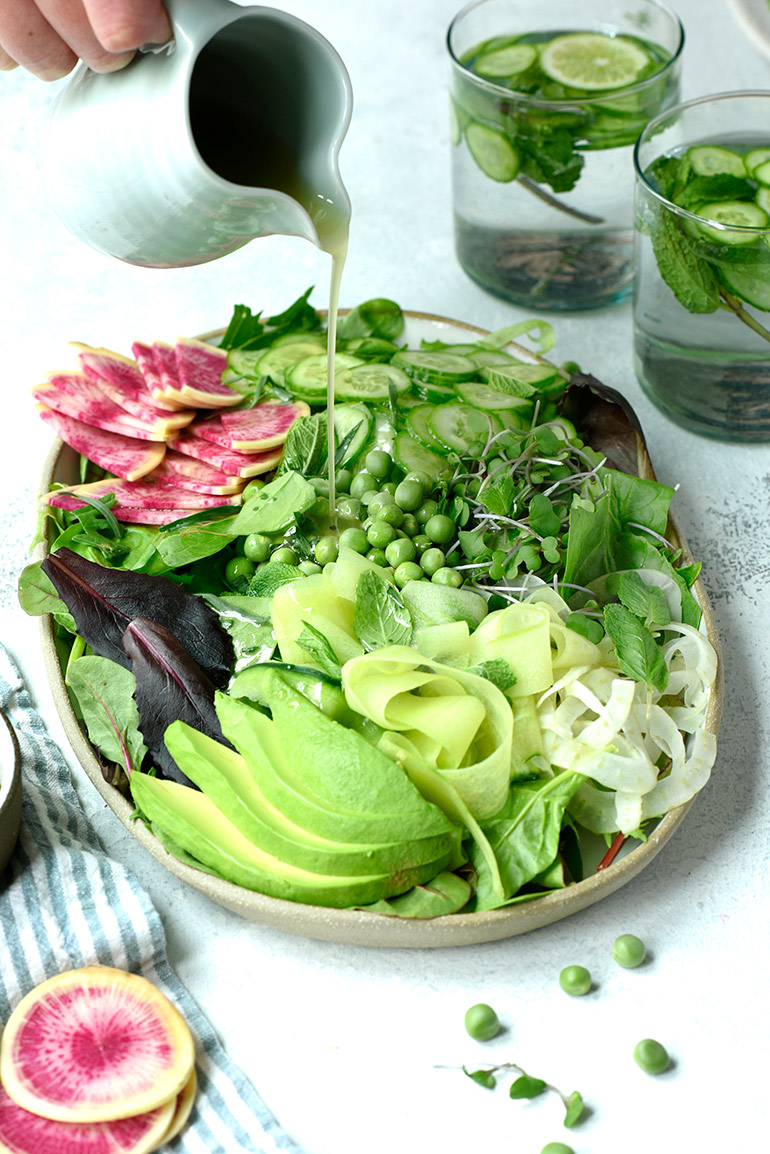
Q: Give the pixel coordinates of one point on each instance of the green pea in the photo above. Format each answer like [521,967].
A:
[406,572]
[325,550]
[425,511]
[320,509]
[380,534]
[239,571]
[440,529]
[481,1022]
[390,487]
[575,980]
[650,1056]
[321,485]
[378,557]
[378,463]
[432,560]
[368,496]
[354,539]
[423,479]
[379,500]
[254,485]
[284,555]
[557,1148]
[410,525]
[399,551]
[409,495]
[342,480]
[391,514]
[309,568]
[349,508]
[629,951]
[257,547]
[421,543]
[363,483]
[446,576]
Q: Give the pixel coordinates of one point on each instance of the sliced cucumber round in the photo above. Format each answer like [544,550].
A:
[711,160]
[444,369]
[370,381]
[490,357]
[418,426]
[277,360]
[486,397]
[461,428]
[493,152]
[762,174]
[307,378]
[415,458]
[763,199]
[741,216]
[505,61]
[243,362]
[356,422]
[751,284]
[754,158]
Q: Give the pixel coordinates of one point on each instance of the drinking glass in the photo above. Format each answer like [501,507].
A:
[702,255]
[541,160]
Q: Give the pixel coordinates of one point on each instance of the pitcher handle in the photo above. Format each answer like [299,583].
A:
[191,20]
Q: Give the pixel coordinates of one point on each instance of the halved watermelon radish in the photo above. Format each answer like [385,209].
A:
[93,1045]
[22,1132]
[228,486]
[125,456]
[74,396]
[150,493]
[239,464]
[252,430]
[199,368]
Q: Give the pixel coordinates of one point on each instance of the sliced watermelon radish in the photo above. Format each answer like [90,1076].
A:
[93,1045]
[252,430]
[22,1132]
[240,464]
[150,493]
[125,456]
[74,396]
[152,516]
[128,394]
[227,486]
[149,366]
[184,1104]
[199,368]
[194,470]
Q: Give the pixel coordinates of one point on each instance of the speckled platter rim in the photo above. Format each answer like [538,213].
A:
[358,927]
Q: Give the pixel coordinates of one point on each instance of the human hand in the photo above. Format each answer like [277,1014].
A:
[47,37]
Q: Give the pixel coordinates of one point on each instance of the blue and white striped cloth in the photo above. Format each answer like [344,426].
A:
[65,904]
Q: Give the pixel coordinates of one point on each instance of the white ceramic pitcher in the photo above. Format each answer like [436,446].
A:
[231,133]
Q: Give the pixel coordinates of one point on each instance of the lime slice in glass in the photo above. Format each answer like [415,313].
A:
[593,61]
[505,61]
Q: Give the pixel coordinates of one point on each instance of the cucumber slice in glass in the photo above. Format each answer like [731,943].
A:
[463,429]
[754,158]
[593,61]
[493,152]
[743,217]
[749,283]
[762,173]
[763,199]
[370,382]
[711,160]
[505,61]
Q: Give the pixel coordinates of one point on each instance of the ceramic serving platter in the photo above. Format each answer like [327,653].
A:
[356,927]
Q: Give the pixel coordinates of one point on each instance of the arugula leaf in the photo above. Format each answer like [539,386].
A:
[247,330]
[638,654]
[380,617]
[648,602]
[320,649]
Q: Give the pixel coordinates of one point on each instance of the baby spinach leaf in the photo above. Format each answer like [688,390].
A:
[445,894]
[38,595]
[636,650]
[247,620]
[380,617]
[104,601]
[375,318]
[273,508]
[105,694]
[194,538]
[170,686]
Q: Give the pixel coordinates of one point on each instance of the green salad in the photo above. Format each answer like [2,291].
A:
[428,663]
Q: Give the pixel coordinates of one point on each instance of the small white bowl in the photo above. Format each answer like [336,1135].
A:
[10,790]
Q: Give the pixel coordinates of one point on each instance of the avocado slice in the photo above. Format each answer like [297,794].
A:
[231,783]
[194,823]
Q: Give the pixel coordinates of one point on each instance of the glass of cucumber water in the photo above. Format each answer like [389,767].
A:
[702,283]
[547,100]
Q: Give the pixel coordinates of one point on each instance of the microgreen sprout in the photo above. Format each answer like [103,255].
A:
[527,1087]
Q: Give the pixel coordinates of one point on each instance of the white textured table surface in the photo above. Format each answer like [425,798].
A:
[343,1042]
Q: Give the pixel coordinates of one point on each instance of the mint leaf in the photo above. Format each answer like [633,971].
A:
[380,617]
[690,278]
[497,493]
[647,602]
[265,583]
[637,652]
[320,649]
[498,671]
[306,446]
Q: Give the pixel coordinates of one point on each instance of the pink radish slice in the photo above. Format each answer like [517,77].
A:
[241,464]
[199,368]
[138,402]
[262,427]
[22,1132]
[165,473]
[125,456]
[93,1045]
[130,516]
[149,367]
[184,1104]
[184,466]
[145,494]
[74,396]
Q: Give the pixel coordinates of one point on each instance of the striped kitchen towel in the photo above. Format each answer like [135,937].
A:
[65,904]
